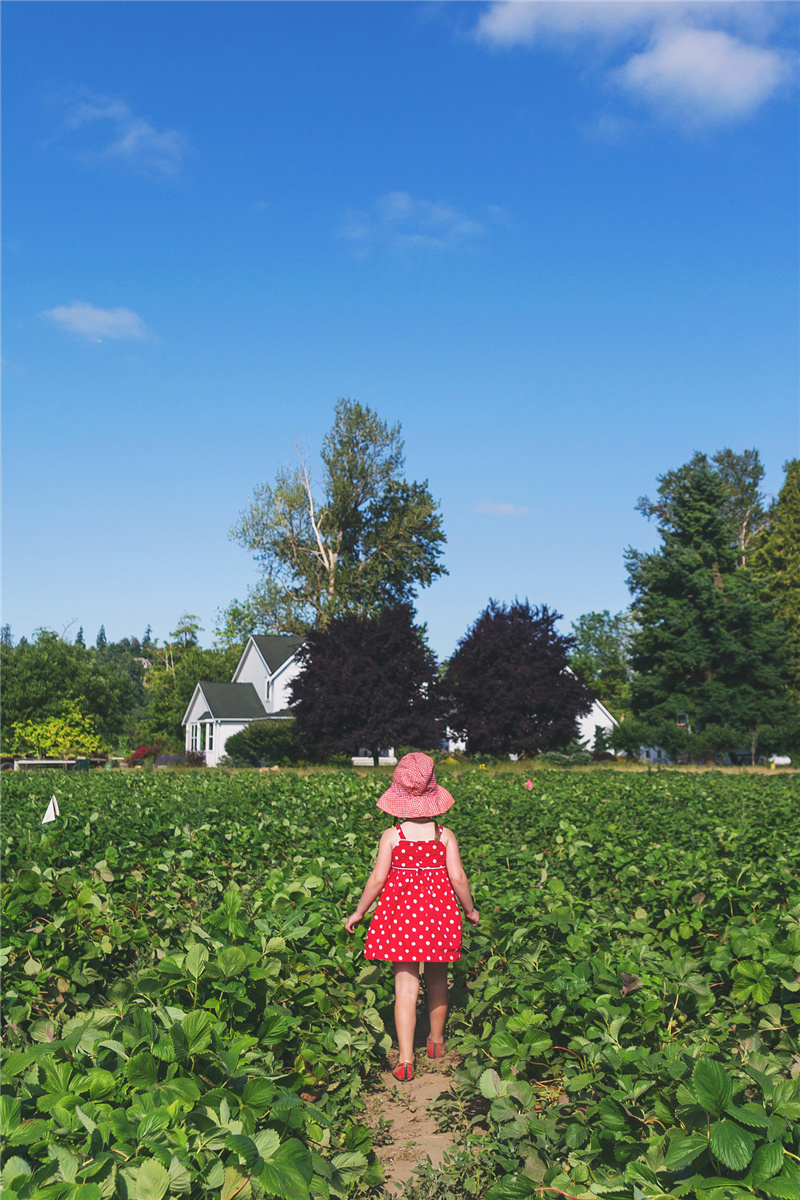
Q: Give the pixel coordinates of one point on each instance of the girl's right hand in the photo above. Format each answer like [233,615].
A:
[353,920]
[473,917]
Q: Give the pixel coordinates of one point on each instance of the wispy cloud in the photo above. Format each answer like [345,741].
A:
[698,63]
[397,221]
[121,135]
[97,324]
[494,509]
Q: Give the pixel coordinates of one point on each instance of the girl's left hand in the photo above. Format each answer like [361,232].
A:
[353,920]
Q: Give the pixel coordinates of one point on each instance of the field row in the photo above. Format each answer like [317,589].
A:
[184,1012]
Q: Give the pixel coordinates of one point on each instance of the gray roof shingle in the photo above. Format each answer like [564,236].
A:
[275,648]
[232,701]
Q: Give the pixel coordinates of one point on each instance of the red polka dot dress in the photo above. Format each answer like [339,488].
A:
[417,919]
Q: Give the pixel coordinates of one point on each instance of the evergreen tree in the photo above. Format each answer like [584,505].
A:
[776,565]
[512,689]
[707,645]
[101,641]
[5,636]
[366,681]
[79,638]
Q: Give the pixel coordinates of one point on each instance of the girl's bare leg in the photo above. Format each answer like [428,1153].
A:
[436,985]
[406,991]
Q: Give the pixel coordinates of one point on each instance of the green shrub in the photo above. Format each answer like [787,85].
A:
[265,744]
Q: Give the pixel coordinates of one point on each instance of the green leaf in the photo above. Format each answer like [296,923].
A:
[711,1086]
[258,1094]
[180,1088]
[750,1114]
[491,1084]
[141,1070]
[350,1165]
[235,1183]
[231,961]
[196,959]
[750,981]
[267,1142]
[282,1176]
[14,1168]
[152,1180]
[538,1042]
[731,1144]
[9,1114]
[767,1161]
[196,1029]
[612,1115]
[244,1147]
[784,1188]
[511,1188]
[685,1151]
[503,1044]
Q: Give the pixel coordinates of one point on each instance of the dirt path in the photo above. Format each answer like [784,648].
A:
[413,1135]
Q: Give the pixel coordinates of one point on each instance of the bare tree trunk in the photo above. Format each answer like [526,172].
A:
[754,743]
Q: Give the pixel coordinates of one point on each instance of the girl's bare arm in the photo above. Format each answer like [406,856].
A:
[458,877]
[378,877]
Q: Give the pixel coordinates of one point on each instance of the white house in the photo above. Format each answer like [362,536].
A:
[259,691]
[598,715]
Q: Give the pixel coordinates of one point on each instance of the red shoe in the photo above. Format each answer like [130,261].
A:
[435,1049]
[404,1071]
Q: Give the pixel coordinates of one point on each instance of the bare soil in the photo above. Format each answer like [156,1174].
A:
[413,1135]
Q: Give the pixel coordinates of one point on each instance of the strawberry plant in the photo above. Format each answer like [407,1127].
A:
[184,1012]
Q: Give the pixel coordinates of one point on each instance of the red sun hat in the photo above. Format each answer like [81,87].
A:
[414,791]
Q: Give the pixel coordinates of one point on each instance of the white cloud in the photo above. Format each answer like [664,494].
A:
[703,74]
[396,221]
[500,510]
[96,324]
[701,62]
[125,138]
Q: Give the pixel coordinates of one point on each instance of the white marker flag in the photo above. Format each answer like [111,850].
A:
[51,812]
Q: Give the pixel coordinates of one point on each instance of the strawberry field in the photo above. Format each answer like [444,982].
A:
[185,1015]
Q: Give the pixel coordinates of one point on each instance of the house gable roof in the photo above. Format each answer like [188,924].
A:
[232,701]
[277,648]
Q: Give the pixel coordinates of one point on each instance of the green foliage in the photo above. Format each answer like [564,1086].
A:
[706,643]
[40,676]
[776,565]
[265,744]
[178,984]
[177,668]
[367,543]
[601,656]
[71,732]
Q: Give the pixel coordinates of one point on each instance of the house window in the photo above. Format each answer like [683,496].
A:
[267,689]
[193,737]
[209,737]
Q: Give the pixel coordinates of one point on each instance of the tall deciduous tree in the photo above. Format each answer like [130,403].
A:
[602,656]
[366,541]
[366,682]
[706,645]
[512,689]
[776,565]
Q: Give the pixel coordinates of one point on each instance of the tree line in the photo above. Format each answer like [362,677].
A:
[706,658]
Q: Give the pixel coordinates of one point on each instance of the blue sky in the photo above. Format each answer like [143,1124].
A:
[557,241]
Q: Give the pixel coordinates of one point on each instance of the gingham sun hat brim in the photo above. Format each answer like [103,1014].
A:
[414,791]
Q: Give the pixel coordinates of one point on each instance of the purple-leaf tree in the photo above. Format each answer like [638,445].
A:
[511,688]
[366,682]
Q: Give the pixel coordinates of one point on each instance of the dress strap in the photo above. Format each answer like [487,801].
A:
[402,835]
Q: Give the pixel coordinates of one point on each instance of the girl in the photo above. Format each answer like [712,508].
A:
[417,874]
